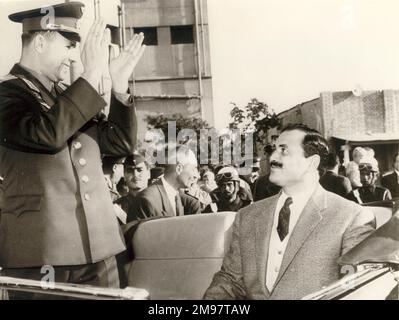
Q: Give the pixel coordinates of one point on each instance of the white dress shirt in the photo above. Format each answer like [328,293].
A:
[276,246]
[171,192]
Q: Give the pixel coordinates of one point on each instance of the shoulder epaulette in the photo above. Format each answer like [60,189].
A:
[35,91]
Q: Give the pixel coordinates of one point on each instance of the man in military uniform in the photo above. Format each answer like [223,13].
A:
[136,171]
[369,192]
[58,211]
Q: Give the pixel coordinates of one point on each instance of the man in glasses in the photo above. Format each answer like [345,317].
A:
[229,196]
[369,191]
[287,246]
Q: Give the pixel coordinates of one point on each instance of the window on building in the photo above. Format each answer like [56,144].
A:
[150,35]
[181,34]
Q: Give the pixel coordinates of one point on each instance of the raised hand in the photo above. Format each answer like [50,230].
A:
[122,66]
[95,52]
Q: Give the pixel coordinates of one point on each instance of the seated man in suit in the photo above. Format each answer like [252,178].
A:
[163,198]
[333,182]
[369,192]
[287,246]
[391,181]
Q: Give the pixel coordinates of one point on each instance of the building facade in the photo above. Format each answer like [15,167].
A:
[174,75]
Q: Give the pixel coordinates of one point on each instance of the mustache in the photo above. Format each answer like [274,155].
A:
[274,163]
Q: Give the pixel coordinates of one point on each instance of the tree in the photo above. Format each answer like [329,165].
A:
[256,118]
[178,122]
[182,122]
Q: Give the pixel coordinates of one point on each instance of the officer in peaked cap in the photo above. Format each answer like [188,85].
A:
[63,18]
[57,210]
[136,172]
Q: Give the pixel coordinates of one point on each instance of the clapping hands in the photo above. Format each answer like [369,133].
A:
[122,66]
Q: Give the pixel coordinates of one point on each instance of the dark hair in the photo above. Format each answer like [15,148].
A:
[332,161]
[313,143]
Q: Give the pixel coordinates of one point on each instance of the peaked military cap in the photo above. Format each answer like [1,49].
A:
[134,160]
[63,18]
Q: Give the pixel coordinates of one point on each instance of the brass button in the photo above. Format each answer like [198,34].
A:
[85,179]
[87,196]
[82,162]
[77,145]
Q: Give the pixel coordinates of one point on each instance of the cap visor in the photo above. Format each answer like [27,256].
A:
[70,36]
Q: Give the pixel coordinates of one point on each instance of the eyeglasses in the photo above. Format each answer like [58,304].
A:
[225,175]
[366,166]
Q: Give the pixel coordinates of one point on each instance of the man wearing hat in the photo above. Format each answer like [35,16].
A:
[369,192]
[58,211]
[229,196]
[137,174]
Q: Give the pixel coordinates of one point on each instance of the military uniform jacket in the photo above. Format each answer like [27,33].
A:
[366,195]
[58,209]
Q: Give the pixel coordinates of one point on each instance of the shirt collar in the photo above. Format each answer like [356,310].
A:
[299,199]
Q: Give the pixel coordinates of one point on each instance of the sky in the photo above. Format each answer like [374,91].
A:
[284,52]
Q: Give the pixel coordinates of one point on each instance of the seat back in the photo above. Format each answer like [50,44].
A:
[383,210]
[176,258]
[382,215]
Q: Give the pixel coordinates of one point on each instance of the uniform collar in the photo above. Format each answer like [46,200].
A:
[32,75]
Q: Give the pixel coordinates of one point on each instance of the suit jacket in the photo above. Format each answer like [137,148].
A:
[390,181]
[336,184]
[58,209]
[154,202]
[328,227]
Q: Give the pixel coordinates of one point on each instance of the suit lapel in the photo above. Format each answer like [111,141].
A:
[263,229]
[166,205]
[307,223]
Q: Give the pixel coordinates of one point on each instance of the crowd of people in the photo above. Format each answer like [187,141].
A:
[71,178]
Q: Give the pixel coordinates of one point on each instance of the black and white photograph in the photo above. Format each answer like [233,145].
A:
[203,150]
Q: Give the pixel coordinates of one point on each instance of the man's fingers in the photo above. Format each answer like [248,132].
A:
[112,53]
[136,43]
[106,38]
[99,32]
[137,56]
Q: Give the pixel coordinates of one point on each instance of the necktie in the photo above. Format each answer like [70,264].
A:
[179,206]
[284,219]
